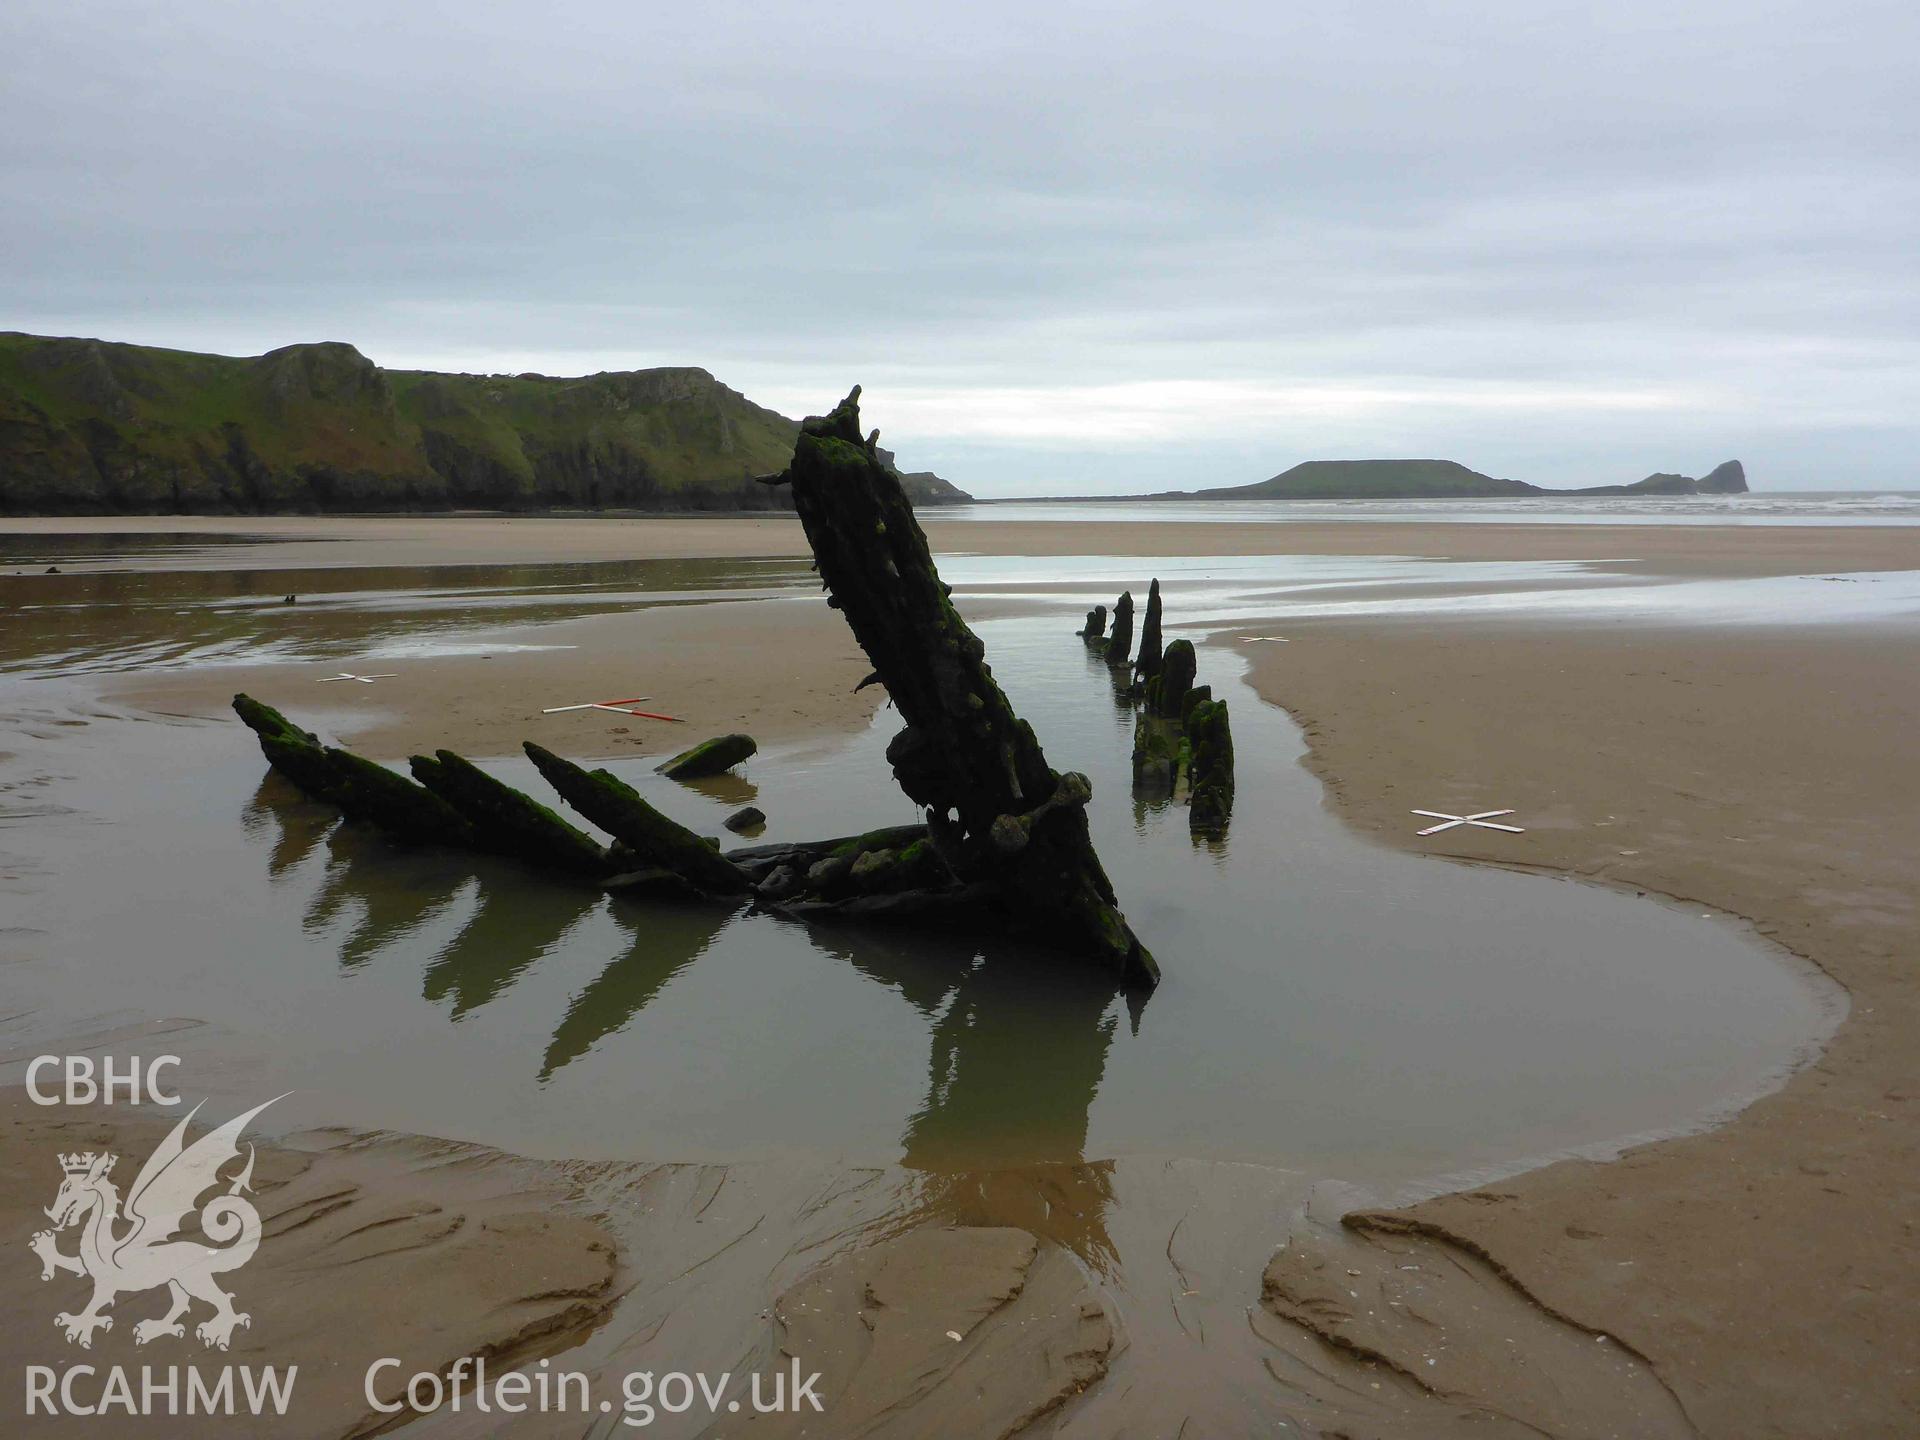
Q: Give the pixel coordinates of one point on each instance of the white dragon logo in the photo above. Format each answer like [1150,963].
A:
[146,1255]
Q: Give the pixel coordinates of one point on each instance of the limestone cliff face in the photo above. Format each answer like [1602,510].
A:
[88,426]
[1727,478]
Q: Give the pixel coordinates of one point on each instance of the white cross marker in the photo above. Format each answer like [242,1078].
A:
[363,679]
[1480,820]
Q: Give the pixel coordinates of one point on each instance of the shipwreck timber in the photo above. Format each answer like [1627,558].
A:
[709,757]
[510,823]
[999,816]
[1120,643]
[1005,842]
[1210,767]
[1181,734]
[1146,665]
[655,840]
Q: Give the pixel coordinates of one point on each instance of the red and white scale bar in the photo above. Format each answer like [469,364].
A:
[615,707]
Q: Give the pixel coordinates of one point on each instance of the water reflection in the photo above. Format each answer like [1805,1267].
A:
[400,892]
[1017,1042]
[133,620]
[1017,1058]
[1017,1053]
[669,938]
[514,925]
[296,823]
[728,788]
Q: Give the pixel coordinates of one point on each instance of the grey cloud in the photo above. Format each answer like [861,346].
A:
[1715,203]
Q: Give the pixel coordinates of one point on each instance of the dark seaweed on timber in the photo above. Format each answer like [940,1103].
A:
[1005,844]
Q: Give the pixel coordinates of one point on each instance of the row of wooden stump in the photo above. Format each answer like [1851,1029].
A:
[1182,737]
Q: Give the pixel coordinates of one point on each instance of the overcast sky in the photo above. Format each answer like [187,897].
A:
[1096,247]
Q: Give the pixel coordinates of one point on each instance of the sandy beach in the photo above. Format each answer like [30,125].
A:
[783,671]
[1764,1273]
[372,1246]
[1759,773]
[287,542]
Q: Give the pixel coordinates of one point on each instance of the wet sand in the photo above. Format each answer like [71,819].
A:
[372,1246]
[780,670]
[1768,1269]
[294,541]
[1764,1274]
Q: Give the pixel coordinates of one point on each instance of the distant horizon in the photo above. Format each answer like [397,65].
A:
[973,484]
[1761,492]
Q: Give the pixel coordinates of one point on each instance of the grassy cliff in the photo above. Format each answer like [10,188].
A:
[1442,480]
[89,426]
[1373,479]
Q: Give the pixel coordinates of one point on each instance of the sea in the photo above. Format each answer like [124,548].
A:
[1783,507]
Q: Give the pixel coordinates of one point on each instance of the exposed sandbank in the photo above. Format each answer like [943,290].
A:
[372,1247]
[1766,1268]
[778,670]
[293,541]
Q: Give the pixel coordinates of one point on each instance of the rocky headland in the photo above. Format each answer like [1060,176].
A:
[94,427]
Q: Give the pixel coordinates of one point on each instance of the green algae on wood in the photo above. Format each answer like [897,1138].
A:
[1196,695]
[895,858]
[618,809]
[1094,632]
[999,815]
[361,789]
[297,754]
[399,806]
[709,757]
[509,823]
[1211,767]
[1155,748]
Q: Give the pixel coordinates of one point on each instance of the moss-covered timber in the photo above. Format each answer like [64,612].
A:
[1156,747]
[760,860]
[709,757]
[618,809]
[397,805]
[1196,695]
[998,813]
[363,790]
[1211,767]
[297,754]
[1095,630]
[510,823]
[813,874]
